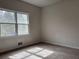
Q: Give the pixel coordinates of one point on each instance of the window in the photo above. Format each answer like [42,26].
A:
[22,21]
[13,23]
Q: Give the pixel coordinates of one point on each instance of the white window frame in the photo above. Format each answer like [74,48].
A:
[16,24]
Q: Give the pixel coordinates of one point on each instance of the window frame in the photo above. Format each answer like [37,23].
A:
[16,23]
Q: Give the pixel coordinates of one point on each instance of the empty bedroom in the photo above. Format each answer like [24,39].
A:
[39,29]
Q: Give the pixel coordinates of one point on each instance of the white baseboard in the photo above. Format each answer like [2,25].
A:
[61,44]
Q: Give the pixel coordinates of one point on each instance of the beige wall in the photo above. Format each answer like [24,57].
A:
[60,23]
[12,42]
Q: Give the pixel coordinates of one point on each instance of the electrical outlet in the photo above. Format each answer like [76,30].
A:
[20,43]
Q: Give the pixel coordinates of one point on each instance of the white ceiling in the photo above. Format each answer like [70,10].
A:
[41,3]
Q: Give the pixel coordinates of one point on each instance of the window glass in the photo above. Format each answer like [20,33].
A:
[22,18]
[7,17]
[23,29]
[8,29]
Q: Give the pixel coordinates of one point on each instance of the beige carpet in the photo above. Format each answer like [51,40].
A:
[43,51]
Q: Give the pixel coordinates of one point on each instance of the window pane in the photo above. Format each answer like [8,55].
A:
[7,17]
[23,29]
[22,18]
[8,30]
